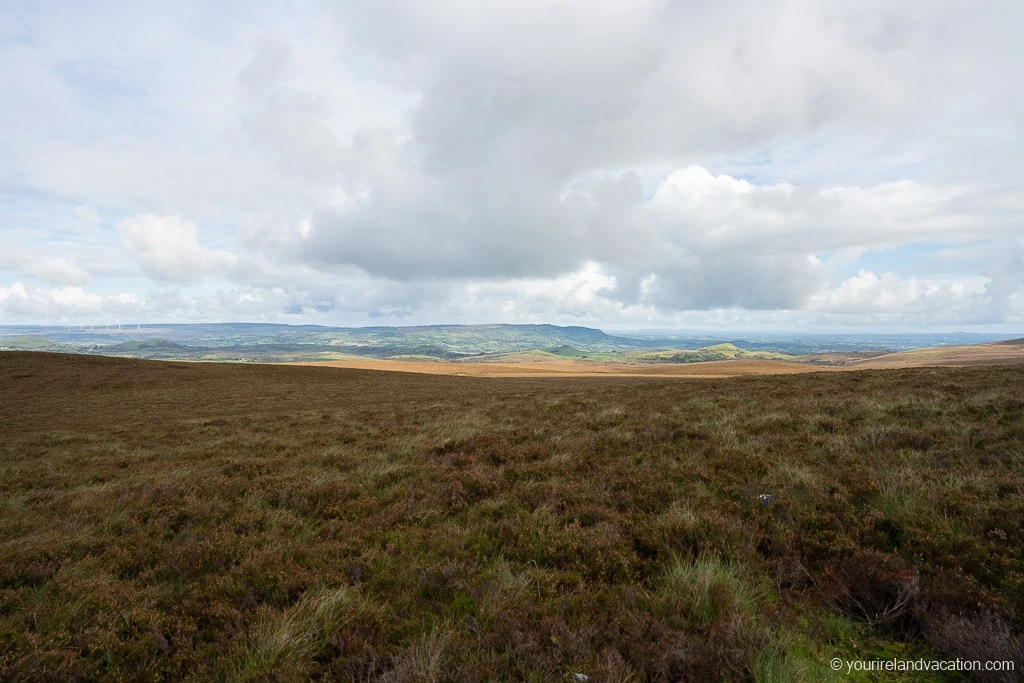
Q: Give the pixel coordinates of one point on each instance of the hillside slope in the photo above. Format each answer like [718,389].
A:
[978,354]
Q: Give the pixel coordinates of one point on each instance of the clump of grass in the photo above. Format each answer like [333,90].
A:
[424,661]
[774,665]
[286,641]
[705,591]
[903,494]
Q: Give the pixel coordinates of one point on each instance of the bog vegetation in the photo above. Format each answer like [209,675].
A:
[166,520]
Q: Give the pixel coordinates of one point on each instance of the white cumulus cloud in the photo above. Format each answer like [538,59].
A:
[168,248]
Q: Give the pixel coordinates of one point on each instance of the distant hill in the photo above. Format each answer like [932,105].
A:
[265,342]
[146,345]
[25,342]
[704,354]
[527,356]
[567,351]
[977,354]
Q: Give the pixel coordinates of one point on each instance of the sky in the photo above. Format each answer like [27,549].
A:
[771,165]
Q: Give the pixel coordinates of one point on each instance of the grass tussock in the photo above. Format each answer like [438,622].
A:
[283,641]
[160,521]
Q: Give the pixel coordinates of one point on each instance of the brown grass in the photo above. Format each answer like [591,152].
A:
[999,353]
[256,522]
[579,368]
[527,365]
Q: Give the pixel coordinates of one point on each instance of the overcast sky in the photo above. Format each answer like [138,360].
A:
[618,164]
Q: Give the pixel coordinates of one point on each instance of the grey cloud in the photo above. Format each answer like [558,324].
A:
[438,240]
[520,102]
[598,84]
[270,64]
[754,279]
[286,121]
[699,242]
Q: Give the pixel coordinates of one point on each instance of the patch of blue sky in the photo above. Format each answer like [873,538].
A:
[12,190]
[756,169]
[215,233]
[101,78]
[118,100]
[919,259]
[825,161]
[46,218]
[830,158]
[17,27]
[22,222]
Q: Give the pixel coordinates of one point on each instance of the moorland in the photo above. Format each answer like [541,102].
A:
[163,520]
[721,360]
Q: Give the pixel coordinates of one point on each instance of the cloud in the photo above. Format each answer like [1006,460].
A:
[287,122]
[168,248]
[866,300]
[22,300]
[50,269]
[612,162]
[868,292]
[1006,286]
[699,241]
[597,84]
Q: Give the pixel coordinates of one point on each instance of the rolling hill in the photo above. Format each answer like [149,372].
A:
[1010,351]
[279,343]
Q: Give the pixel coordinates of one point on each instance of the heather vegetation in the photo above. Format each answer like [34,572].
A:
[239,522]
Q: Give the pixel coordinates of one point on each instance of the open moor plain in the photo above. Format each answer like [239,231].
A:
[163,520]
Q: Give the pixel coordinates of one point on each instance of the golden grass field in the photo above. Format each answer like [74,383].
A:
[529,366]
[980,354]
[575,368]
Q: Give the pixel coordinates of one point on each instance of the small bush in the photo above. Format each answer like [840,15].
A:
[874,587]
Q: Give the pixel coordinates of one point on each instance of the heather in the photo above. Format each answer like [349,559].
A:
[242,522]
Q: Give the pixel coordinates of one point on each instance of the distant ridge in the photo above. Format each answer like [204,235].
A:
[274,342]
